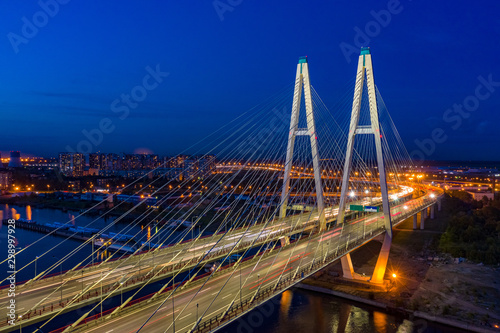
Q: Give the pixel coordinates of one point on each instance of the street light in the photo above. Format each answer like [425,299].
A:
[61,276]
[101,293]
[92,239]
[36,258]
[121,294]
[173,303]
[173,312]
[240,285]
[20,323]
[192,224]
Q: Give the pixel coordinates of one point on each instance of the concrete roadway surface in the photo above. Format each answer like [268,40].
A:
[219,292]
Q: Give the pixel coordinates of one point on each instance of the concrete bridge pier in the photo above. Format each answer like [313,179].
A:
[383,258]
[422,220]
[380,267]
[432,212]
[348,269]
[415,222]
[439,205]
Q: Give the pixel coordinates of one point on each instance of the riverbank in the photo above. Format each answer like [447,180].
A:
[51,203]
[428,284]
[398,311]
[92,209]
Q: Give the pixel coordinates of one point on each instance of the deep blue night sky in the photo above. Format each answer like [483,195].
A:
[64,78]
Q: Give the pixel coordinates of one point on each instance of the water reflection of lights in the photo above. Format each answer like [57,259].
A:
[28,212]
[103,254]
[380,321]
[286,301]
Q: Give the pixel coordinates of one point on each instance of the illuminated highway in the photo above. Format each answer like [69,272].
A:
[46,294]
[220,292]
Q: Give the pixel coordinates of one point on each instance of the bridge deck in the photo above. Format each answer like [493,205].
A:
[261,278]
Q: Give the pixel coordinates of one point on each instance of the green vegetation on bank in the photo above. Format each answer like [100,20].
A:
[473,228]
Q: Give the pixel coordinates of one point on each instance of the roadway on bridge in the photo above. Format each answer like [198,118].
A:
[225,288]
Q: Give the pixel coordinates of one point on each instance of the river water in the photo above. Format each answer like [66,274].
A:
[297,310]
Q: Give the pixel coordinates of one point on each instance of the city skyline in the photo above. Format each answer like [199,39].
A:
[199,72]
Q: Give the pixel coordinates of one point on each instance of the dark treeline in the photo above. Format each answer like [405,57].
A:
[474,228]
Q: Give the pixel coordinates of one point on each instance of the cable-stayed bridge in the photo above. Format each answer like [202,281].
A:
[287,198]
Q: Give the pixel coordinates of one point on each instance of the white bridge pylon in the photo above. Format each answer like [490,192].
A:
[302,82]
[365,68]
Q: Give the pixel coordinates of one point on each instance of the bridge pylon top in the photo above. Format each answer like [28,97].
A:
[365,50]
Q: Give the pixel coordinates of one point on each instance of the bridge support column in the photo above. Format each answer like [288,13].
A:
[414,221]
[347,268]
[432,212]
[383,258]
[302,83]
[439,205]
[365,70]
[422,219]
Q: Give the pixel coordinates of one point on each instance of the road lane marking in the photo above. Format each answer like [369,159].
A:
[190,325]
[204,290]
[184,316]
[210,315]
